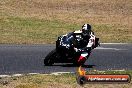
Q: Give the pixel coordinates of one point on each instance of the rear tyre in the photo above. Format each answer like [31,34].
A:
[50,58]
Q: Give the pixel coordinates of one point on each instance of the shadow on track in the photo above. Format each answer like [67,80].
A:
[72,65]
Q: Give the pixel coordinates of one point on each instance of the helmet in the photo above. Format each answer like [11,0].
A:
[86,28]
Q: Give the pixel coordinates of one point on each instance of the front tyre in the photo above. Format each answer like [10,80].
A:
[50,58]
[48,62]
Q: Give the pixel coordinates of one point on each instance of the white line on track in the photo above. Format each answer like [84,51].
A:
[59,73]
[33,73]
[54,73]
[18,75]
[114,43]
[109,48]
[3,76]
[15,75]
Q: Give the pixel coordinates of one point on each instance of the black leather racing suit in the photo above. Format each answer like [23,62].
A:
[81,42]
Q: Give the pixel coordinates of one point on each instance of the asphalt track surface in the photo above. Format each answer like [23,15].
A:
[21,59]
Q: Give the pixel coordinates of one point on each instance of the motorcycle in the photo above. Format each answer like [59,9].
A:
[65,52]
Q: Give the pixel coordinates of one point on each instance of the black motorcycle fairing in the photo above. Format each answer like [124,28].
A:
[72,39]
[64,44]
[64,52]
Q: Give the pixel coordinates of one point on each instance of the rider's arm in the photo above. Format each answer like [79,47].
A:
[90,44]
[91,41]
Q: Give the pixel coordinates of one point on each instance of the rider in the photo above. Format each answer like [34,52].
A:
[82,40]
[88,41]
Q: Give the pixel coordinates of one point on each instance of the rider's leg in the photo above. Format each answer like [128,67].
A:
[83,57]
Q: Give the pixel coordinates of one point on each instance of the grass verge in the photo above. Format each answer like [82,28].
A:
[41,22]
[16,30]
[57,81]
[32,31]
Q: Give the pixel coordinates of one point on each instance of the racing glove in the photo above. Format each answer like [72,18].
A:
[87,49]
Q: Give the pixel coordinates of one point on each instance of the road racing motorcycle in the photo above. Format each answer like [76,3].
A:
[65,52]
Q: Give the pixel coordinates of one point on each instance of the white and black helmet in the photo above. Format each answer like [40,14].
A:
[86,28]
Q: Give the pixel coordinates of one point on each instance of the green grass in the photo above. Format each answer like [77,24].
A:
[113,33]
[57,81]
[16,30]
[110,72]
[42,21]
[29,30]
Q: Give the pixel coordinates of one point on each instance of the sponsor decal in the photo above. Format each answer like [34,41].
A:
[83,78]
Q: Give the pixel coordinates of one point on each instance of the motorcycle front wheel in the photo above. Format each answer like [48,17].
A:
[50,58]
